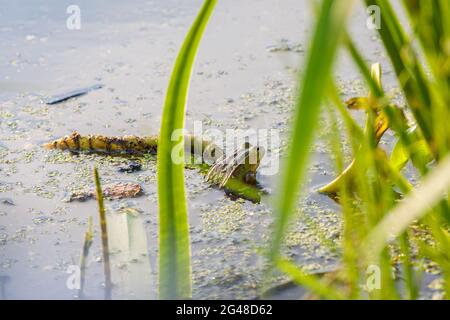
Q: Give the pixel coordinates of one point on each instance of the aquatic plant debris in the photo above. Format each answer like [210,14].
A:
[285,46]
[7,201]
[130,167]
[112,192]
[72,94]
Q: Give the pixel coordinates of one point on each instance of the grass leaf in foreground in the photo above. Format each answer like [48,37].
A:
[328,31]
[174,248]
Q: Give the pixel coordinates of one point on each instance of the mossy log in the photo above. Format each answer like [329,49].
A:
[128,144]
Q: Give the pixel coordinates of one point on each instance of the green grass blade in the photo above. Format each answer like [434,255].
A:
[174,248]
[365,70]
[328,31]
[406,65]
[408,269]
[399,156]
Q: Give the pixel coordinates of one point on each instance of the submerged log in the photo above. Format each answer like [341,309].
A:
[99,143]
[129,144]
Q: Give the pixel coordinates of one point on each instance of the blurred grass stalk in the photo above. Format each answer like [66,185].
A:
[104,234]
[174,246]
[328,30]
[375,223]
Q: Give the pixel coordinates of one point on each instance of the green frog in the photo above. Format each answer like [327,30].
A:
[236,173]
[241,165]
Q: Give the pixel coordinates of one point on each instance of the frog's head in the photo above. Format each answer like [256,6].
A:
[247,162]
[241,166]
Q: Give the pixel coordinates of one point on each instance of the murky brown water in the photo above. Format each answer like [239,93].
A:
[239,82]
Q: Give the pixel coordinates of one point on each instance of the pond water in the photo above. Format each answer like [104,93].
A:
[244,78]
